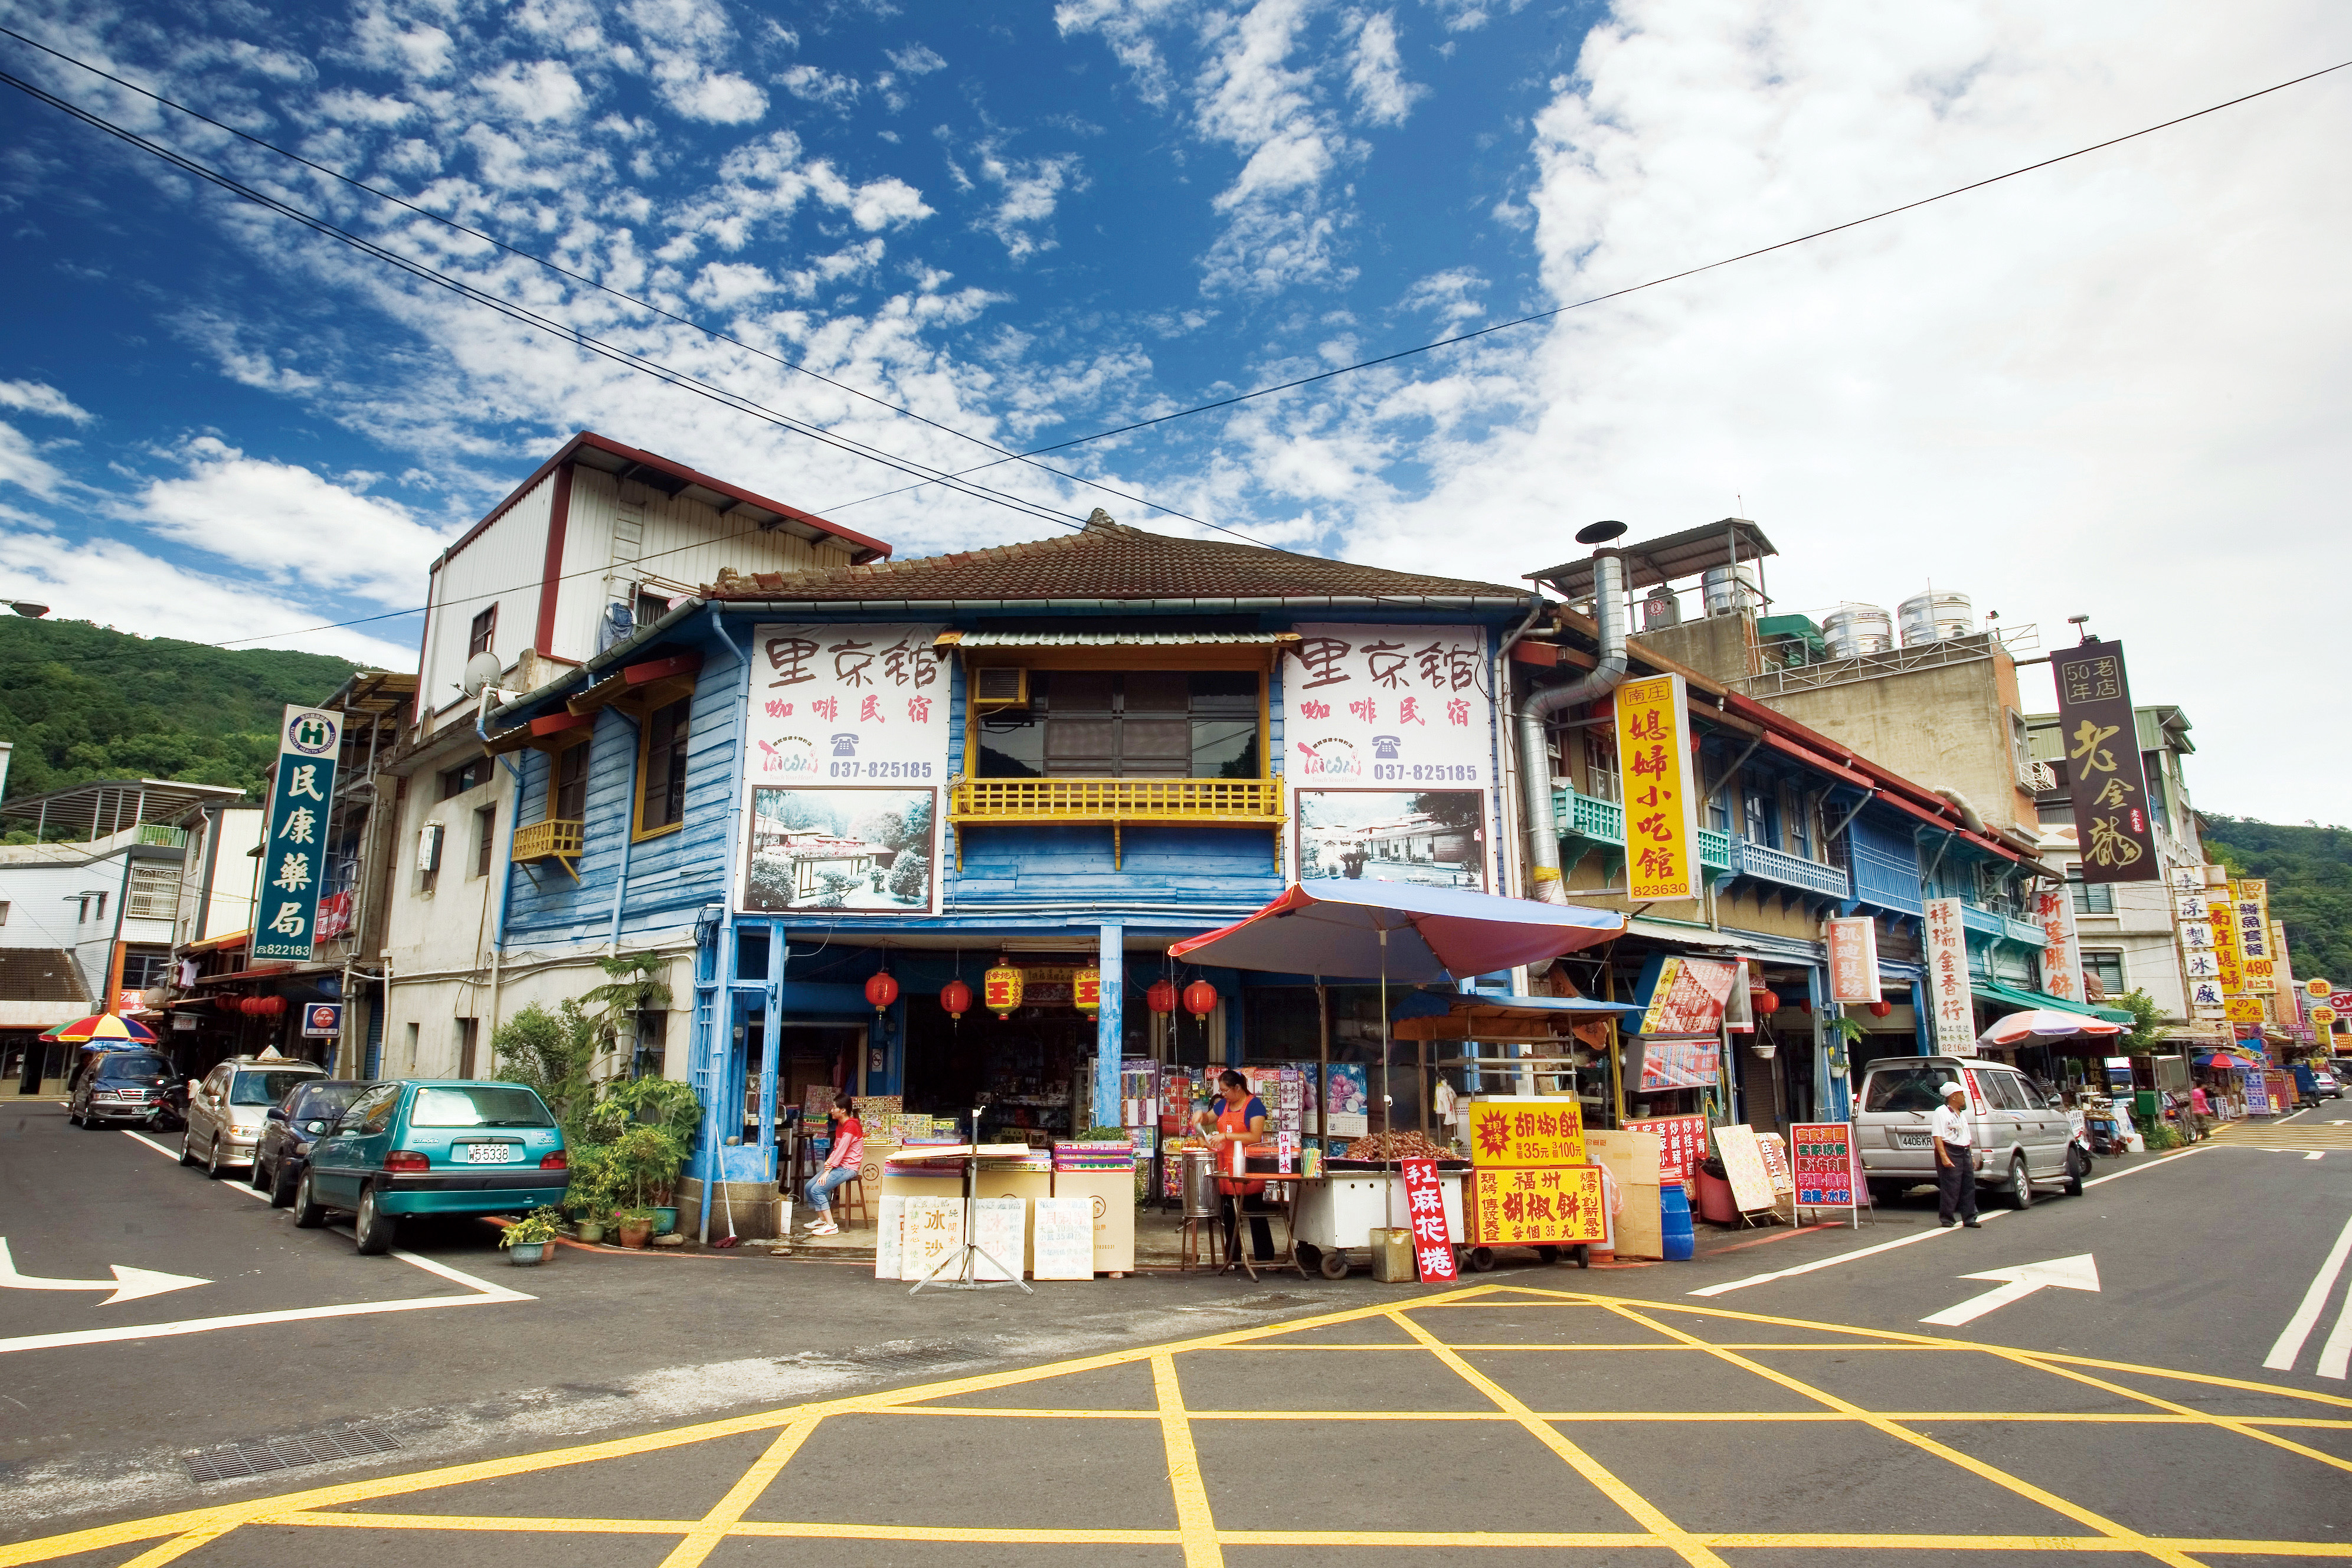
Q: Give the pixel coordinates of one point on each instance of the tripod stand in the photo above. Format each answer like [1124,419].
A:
[966,1259]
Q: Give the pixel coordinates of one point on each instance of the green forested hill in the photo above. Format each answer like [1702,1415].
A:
[83,701]
[2310,872]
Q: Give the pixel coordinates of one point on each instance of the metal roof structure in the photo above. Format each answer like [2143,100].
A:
[1667,558]
[108,805]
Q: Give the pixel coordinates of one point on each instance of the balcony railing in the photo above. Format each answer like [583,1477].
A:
[1790,870]
[1116,803]
[554,839]
[2006,929]
[1604,823]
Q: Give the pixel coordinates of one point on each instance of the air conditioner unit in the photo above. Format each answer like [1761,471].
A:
[998,685]
[428,847]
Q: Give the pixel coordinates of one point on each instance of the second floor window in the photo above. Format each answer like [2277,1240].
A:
[567,785]
[1601,766]
[155,892]
[1131,723]
[486,839]
[1760,816]
[661,767]
[2090,897]
[484,633]
[2108,969]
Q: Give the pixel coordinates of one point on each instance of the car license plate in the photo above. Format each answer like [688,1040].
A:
[492,1155]
[1911,1140]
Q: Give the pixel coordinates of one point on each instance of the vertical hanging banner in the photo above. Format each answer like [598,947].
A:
[293,857]
[2061,960]
[2103,764]
[1853,959]
[1654,750]
[1948,979]
[1433,1239]
[2257,955]
[2224,919]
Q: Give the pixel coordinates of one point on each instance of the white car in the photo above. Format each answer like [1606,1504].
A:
[2020,1135]
[227,1111]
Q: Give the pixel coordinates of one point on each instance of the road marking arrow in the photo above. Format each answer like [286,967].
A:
[2080,1273]
[128,1285]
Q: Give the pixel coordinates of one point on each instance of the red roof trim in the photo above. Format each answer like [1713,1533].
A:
[559,523]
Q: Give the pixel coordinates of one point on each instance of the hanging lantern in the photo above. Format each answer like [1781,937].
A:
[1200,999]
[265,1007]
[245,1006]
[955,998]
[1085,990]
[1879,1010]
[881,990]
[1162,997]
[1001,987]
[1765,1003]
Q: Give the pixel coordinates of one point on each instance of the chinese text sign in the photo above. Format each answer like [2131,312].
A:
[2103,764]
[1372,707]
[1853,959]
[1661,810]
[857,704]
[1425,1203]
[1823,1154]
[1526,1131]
[1948,979]
[1682,996]
[294,856]
[1555,1205]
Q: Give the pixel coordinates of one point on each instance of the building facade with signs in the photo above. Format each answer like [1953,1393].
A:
[873,800]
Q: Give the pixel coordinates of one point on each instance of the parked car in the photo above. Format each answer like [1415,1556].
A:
[117,1086]
[2020,1134]
[2330,1086]
[432,1146]
[291,1126]
[226,1111]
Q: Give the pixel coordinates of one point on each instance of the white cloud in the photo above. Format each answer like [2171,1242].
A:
[1279,229]
[726,284]
[40,398]
[22,465]
[1448,294]
[1378,73]
[812,84]
[286,524]
[1125,26]
[687,41]
[421,52]
[916,60]
[537,92]
[1030,188]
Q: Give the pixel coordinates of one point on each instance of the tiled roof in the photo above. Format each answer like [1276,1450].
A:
[1107,560]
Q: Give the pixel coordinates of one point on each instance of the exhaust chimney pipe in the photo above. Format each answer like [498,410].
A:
[1535,773]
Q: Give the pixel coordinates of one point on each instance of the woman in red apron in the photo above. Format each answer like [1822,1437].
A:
[1238,1116]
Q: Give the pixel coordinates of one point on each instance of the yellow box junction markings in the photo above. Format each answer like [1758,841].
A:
[189,1533]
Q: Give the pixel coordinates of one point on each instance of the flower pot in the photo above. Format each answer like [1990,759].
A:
[634,1232]
[591,1230]
[527,1254]
[664,1219]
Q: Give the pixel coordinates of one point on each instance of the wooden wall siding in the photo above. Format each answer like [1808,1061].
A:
[681,540]
[1216,868]
[670,877]
[506,564]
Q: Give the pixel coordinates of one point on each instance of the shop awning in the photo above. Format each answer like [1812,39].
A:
[1685,936]
[215,943]
[1345,928]
[1515,1021]
[2002,995]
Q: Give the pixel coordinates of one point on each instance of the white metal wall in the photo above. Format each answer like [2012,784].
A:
[503,566]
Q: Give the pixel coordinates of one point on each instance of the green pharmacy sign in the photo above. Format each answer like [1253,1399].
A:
[294,856]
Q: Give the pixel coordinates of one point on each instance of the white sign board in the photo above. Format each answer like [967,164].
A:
[1065,1238]
[931,1229]
[846,704]
[1948,979]
[2062,963]
[886,1229]
[1000,1228]
[1388,707]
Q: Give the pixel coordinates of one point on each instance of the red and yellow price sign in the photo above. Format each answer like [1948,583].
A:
[1516,1133]
[1562,1206]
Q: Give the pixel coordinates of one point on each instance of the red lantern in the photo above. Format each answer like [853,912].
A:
[881,990]
[270,1007]
[1765,1003]
[1162,997]
[1880,1009]
[245,1006]
[1200,999]
[955,997]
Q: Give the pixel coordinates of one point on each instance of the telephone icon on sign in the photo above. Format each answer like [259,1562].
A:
[844,745]
[1385,748]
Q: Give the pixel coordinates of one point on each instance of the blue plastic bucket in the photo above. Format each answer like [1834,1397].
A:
[1674,1224]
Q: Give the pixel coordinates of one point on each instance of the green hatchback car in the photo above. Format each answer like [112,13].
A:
[432,1146]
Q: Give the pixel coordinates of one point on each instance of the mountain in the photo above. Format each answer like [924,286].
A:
[83,701]
[2310,872]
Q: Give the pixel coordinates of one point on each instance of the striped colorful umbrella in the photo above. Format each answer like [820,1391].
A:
[102,1027]
[2045,1024]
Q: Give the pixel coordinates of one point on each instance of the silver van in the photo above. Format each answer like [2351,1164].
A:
[227,1111]
[2021,1137]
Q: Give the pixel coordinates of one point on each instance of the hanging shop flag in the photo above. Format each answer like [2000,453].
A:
[1389,706]
[2062,963]
[2103,763]
[1682,996]
[2224,926]
[1824,1157]
[1948,979]
[1553,1206]
[1654,751]
[293,860]
[1432,1239]
[1527,1129]
[1853,959]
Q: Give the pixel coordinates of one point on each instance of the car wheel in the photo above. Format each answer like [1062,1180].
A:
[374,1229]
[281,1187]
[2021,1184]
[213,1166]
[187,1150]
[253,1174]
[309,1213]
[2078,1165]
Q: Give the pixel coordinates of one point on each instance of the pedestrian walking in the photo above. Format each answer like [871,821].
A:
[840,1167]
[1955,1170]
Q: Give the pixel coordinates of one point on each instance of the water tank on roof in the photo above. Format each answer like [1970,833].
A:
[1661,609]
[1854,629]
[1734,589]
[1933,617]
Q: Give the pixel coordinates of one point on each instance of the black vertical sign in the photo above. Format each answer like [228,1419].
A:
[2103,766]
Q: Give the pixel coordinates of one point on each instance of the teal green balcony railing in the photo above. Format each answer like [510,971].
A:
[1788,870]
[2000,927]
[1714,849]
[1604,823]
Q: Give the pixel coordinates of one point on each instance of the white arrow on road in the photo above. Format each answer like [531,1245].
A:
[128,1285]
[2078,1273]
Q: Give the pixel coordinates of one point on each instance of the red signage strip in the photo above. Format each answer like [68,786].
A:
[1433,1240]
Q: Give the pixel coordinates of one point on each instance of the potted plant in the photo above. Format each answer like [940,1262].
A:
[527,1239]
[637,1225]
[645,1162]
[590,1195]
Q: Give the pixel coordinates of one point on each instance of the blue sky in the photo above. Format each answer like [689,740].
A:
[2116,388]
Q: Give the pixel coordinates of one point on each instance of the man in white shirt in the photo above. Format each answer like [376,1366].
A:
[1955,1170]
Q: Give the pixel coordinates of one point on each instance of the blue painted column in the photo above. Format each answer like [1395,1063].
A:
[1109,1026]
[1919,1022]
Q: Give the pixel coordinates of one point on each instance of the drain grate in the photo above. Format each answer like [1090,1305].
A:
[285,1453]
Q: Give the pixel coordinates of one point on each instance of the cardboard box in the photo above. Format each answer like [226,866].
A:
[1632,1157]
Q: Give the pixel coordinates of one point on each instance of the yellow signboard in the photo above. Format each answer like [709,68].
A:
[2224,915]
[2245,1009]
[1519,1133]
[1560,1205]
[2323,1019]
[1654,759]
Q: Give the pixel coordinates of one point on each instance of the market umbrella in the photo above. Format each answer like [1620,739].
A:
[2045,1024]
[102,1027]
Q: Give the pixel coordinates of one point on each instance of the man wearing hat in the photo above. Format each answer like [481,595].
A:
[1955,1170]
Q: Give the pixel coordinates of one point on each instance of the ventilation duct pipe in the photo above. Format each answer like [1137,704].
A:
[1969,819]
[1535,772]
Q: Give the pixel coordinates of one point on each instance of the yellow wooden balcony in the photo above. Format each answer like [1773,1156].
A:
[554,839]
[1116,802]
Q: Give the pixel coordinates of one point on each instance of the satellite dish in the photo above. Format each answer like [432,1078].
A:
[1599,533]
[482,670]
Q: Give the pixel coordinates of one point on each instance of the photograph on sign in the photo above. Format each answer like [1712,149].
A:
[1681,996]
[1433,838]
[1655,762]
[2109,787]
[843,850]
[846,704]
[1394,706]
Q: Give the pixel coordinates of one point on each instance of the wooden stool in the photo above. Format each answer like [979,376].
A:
[1188,1242]
[849,1203]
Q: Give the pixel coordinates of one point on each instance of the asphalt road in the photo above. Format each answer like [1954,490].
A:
[1778,1401]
